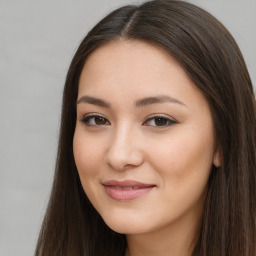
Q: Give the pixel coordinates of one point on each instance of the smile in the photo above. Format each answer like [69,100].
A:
[126,190]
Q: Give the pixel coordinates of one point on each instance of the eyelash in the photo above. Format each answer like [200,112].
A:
[168,121]
[89,117]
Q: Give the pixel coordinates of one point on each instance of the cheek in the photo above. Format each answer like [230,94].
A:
[184,158]
[86,154]
[88,158]
[183,165]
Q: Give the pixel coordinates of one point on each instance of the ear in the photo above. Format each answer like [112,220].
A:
[217,158]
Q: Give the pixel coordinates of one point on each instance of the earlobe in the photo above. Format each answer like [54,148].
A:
[217,159]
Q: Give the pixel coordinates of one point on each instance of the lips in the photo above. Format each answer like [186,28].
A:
[126,190]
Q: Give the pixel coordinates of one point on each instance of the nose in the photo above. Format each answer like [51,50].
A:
[124,150]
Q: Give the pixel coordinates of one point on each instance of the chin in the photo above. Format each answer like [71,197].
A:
[125,224]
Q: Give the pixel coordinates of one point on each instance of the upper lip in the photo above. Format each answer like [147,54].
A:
[127,183]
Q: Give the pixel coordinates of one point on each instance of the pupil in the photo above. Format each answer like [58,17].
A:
[100,120]
[160,121]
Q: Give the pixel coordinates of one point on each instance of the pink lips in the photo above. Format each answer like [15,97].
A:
[126,190]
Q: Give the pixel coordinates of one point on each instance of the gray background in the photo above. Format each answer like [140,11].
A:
[37,42]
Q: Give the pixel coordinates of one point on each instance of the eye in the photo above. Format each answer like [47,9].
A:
[159,121]
[95,120]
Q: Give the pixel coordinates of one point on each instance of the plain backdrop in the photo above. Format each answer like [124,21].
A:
[37,42]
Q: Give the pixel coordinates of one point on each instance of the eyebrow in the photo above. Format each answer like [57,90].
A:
[157,99]
[138,103]
[94,101]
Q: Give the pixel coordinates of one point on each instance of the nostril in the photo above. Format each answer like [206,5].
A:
[124,152]
[120,159]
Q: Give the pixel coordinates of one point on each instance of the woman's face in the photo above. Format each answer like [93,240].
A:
[144,138]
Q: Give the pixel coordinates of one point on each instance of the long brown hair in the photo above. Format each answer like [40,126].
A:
[213,61]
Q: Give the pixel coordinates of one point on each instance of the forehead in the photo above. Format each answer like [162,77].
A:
[135,69]
[132,61]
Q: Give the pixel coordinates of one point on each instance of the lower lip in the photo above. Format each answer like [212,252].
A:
[126,194]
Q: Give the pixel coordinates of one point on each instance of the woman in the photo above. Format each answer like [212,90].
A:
[157,149]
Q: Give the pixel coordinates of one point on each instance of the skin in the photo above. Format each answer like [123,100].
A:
[128,143]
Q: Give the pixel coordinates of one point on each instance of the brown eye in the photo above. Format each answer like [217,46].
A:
[159,122]
[99,120]
[95,120]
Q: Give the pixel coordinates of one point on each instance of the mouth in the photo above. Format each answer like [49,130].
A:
[126,190]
